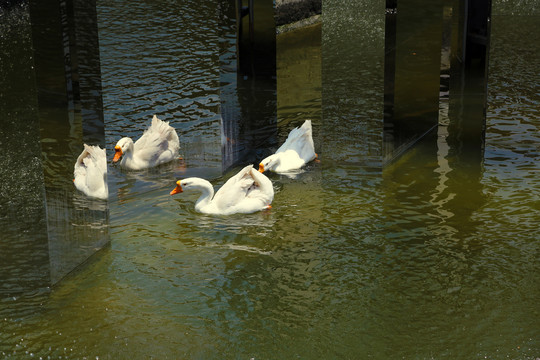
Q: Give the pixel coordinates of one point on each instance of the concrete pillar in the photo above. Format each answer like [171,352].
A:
[412,72]
[67,72]
[50,109]
[248,80]
[468,75]
[256,37]
[24,248]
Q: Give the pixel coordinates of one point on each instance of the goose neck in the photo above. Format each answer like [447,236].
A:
[207,193]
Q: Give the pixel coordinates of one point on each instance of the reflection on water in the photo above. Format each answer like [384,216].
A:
[248,96]
[165,64]
[70,114]
[49,228]
[434,256]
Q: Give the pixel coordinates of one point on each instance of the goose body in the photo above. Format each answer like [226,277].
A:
[246,192]
[90,172]
[294,153]
[159,144]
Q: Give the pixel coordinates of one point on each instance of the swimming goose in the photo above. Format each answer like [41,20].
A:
[246,192]
[295,152]
[158,144]
[90,172]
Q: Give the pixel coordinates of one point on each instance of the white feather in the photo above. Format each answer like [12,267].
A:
[159,144]
[90,172]
[246,192]
[294,153]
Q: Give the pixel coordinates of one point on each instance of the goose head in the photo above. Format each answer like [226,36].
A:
[123,146]
[191,184]
[269,163]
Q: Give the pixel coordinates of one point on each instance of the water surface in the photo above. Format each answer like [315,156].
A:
[434,256]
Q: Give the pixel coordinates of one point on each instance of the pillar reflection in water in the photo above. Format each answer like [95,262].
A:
[67,72]
[248,81]
[432,195]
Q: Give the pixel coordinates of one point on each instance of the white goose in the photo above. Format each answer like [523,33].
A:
[90,172]
[246,192]
[295,152]
[159,144]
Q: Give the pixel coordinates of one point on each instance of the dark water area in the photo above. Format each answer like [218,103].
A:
[48,229]
[434,255]
[24,256]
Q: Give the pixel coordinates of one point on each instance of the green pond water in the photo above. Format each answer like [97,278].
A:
[434,256]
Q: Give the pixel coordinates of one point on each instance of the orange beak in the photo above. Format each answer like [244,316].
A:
[177,189]
[261,168]
[118,153]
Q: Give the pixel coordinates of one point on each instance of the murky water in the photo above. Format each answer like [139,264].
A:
[436,256]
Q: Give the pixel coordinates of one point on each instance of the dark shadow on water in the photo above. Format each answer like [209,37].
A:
[49,227]
[24,248]
[68,79]
[248,91]
[412,73]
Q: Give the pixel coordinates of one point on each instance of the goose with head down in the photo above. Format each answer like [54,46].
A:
[90,172]
[294,153]
[246,192]
[159,144]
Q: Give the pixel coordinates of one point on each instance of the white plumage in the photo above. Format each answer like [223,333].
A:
[294,153]
[246,192]
[159,144]
[90,172]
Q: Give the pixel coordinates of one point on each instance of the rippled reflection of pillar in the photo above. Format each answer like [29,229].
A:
[89,71]
[431,197]
[67,62]
[67,73]
[248,80]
